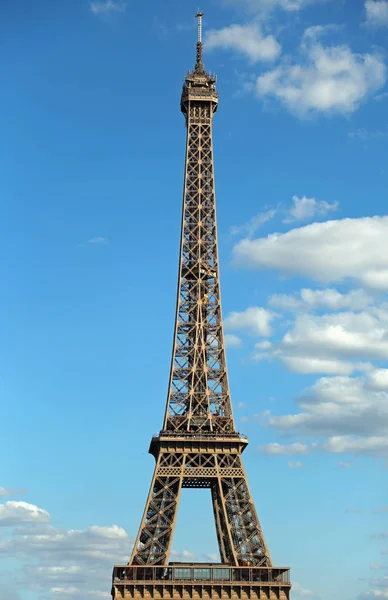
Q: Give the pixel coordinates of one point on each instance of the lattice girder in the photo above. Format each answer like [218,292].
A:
[238,529]
[199,398]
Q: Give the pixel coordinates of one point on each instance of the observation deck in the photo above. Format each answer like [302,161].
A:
[200,441]
[189,581]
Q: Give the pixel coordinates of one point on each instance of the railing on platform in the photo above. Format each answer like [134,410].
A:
[200,434]
[200,573]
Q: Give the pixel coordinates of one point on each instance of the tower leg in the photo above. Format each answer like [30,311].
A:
[153,542]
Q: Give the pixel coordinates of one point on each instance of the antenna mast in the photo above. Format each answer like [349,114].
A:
[199,68]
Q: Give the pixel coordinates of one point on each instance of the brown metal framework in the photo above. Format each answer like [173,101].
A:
[199,446]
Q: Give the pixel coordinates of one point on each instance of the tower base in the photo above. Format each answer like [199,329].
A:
[197,581]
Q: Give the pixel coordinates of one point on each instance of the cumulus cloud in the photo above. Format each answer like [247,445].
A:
[103,7]
[372,446]
[255,319]
[66,563]
[307,208]
[254,223]
[344,335]
[55,546]
[339,406]
[284,450]
[308,365]
[334,343]
[327,79]
[376,13]
[343,412]
[246,39]
[378,380]
[331,251]
[14,513]
[327,298]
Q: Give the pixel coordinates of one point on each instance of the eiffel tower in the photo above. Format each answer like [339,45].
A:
[198,446]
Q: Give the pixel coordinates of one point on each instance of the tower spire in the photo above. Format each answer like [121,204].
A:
[199,68]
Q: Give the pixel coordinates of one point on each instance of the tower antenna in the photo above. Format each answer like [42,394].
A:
[199,68]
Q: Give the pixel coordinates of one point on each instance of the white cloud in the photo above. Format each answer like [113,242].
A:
[61,572]
[280,450]
[255,319]
[377,12]
[303,592]
[334,343]
[232,341]
[13,513]
[326,298]
[246,39]
[294,465]
[103,7]
[365,134]
[97,240]
[372,446]
[330,251]
[378,380]
[379,588]
[327,79]
[344,408]
[254,223]
[59,547]
[212,557]
[264,345]
[266,6]
[375,566]
[341,335]
[185,555]
[344,465]
[307,365]
[301,209]
[70,563]
[307,208]
[10,492]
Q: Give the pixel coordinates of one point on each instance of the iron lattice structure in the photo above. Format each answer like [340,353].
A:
[199,446]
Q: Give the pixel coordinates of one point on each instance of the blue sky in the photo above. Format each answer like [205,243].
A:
[91,169]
